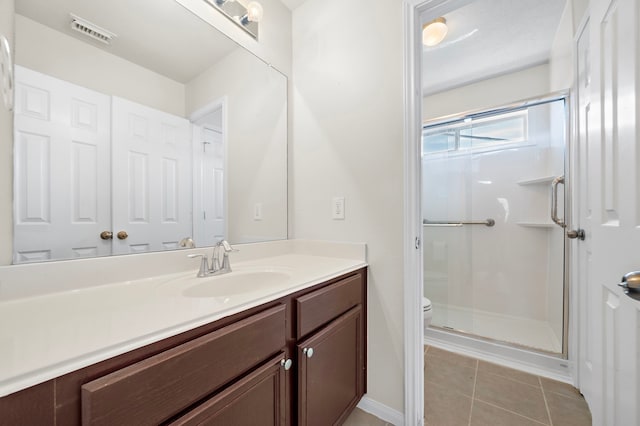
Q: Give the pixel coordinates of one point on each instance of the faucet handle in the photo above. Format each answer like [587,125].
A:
[204,264]
[226,246]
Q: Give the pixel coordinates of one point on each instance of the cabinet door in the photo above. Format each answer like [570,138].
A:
[257,399]
[331,374]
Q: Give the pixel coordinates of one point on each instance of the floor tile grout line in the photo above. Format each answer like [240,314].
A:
[473,393]
[514,380]
[546,404]
[564,395]
[512,412]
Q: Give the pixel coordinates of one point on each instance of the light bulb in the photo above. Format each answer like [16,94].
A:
[434,32]
[254,11]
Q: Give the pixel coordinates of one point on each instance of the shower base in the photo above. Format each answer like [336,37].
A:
[526,332]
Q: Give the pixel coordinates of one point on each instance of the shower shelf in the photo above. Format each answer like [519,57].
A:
[536,224]
[537,181]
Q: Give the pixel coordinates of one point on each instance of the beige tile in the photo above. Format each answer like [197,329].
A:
[568,411]
[447,373]
[558,387]
[509,373]
[487,415]
[362,418]
[460,360]
[445,407]
[517,397]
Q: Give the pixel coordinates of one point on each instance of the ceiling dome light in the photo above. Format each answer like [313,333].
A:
[434,32]
[254,11]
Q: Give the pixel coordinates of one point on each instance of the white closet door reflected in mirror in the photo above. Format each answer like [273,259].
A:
[89,163]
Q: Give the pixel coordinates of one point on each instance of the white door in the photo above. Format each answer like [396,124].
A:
[584,214]
[151,178]
[610,364]
[62,161]
[209,224]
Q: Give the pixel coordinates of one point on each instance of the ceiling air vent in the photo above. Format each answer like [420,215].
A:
[91,30]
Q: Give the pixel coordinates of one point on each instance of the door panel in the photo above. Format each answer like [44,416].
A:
[155,213]
[584,213]
[612,391]
[62,161]
[208,148]
[330,379]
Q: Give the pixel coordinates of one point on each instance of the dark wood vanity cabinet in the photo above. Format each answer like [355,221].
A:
[230,372]
[260,398]
[330,371]
[330,352]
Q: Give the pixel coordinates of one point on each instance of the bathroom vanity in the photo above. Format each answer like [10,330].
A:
[294,356]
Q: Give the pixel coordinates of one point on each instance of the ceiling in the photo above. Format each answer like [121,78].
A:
[488,38]
[292,4]
[149,33]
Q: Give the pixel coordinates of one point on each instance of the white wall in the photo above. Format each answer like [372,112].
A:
[347,141]
[561,61]
[493,92]
[51,52]
[6,151]
[274,43]
[257,138]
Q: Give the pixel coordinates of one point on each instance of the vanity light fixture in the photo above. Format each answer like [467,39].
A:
[246,18]
[434,32]
[254,13]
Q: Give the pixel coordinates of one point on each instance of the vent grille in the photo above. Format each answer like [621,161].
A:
[91,30]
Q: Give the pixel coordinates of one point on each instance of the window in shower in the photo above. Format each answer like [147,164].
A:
[494,132]
[503,282]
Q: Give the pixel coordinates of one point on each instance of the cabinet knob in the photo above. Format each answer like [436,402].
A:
[106,235]
[286,364]
[308,352]
[122,235]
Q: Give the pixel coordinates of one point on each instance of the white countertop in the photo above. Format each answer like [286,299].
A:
[44,336]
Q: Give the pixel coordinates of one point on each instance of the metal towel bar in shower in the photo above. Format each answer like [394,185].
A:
[488,222]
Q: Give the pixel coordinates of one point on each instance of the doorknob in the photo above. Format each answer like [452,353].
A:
[106,235]
[576,233]
[122,235]
[631,284]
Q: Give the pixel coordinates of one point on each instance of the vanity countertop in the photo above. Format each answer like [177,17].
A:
[44,336]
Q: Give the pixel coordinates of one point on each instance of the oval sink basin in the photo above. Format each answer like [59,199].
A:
[237,283]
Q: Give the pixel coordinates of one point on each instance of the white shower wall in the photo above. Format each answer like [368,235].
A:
[514,269]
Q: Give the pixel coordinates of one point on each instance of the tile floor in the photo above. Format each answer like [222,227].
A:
[465,391]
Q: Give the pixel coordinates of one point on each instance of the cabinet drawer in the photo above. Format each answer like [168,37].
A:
[321,306]
[257,399]
[153,390]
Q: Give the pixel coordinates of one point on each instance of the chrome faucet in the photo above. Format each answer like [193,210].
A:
[218,268]
[204,264]
[215,268]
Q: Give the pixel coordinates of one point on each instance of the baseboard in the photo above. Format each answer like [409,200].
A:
[381,411]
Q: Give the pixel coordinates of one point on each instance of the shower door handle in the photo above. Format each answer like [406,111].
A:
[572,234]
[554,201]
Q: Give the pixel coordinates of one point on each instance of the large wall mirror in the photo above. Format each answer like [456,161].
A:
[136,126]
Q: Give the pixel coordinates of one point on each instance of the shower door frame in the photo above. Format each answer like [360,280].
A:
[511,107]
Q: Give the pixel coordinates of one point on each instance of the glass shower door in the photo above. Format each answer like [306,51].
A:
[493,259]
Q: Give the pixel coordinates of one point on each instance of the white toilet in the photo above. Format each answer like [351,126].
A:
[426,309]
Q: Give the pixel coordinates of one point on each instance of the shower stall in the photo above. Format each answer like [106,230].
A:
[492,203]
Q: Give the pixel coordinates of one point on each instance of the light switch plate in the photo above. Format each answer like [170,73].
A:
[257,211]
[337,208]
